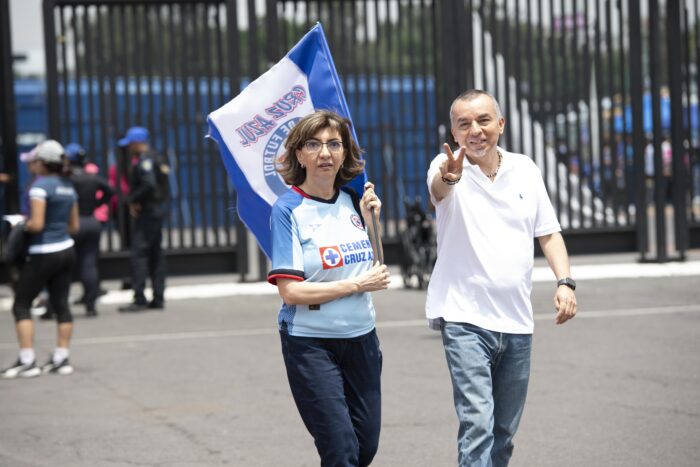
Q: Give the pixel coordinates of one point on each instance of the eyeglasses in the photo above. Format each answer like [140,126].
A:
[312,146]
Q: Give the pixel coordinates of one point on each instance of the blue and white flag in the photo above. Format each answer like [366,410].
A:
[251,129]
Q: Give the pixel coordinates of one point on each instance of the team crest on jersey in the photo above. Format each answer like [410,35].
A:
[331,257]
[357,222]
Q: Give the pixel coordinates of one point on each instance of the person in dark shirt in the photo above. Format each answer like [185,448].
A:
[53,219]
[146,200]
[87,242]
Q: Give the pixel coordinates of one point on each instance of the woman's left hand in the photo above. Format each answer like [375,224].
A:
[370,201]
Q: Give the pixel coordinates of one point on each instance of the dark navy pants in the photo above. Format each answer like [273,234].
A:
[147,258]
[336,387]
[87,248]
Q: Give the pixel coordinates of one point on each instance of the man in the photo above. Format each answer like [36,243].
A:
[490,204]
[87,241]
[145,200]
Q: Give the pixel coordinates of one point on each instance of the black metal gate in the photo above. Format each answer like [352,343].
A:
[583,85]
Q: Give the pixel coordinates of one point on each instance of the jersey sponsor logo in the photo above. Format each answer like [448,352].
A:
[331,257]
[356,221]
[65,191]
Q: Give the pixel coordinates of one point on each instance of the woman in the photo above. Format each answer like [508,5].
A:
[322,264]
[53,218]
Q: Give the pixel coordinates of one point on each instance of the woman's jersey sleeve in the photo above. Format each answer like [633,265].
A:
[287,253]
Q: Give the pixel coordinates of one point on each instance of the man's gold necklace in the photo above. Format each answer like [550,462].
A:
[493,174]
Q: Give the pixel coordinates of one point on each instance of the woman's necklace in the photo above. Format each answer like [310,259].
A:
[493,174]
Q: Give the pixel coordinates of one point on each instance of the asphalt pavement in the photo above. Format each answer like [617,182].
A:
[203,384]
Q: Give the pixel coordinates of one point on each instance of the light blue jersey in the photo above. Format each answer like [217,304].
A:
[320,240]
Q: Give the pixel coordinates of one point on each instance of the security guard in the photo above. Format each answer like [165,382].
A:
[146,199]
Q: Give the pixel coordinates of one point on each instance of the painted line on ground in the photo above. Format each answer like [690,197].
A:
[540,274]
[625,313]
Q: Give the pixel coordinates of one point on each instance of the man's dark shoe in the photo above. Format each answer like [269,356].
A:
[156,305]
[132,307]
[91,312]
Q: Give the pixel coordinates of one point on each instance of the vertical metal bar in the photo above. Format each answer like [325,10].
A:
[574,100]
[8,121]
[187,77]
[223,196]
[51,68]
[531,98]
[198,120]
[178,90]
[388,124]
[234,75]
[553,93]
[610,71]
[164,115]
[599,85]
[380,127]
[428,59]
[623,97]
[126,44]
[148,70]
[506,51]
[495,41]
[65,126]
[518,78]
[679,174]
[659,183]
[415,149]
[401,144]
[92,140]
[77,80]
[212,188]
[544,98]
[636,99]
[140,53]
[586,88]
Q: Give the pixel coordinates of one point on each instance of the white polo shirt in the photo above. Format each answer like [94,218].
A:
[485,232]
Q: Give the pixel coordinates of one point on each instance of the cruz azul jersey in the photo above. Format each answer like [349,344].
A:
[320,240]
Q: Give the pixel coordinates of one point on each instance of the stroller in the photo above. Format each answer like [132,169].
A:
[419,246]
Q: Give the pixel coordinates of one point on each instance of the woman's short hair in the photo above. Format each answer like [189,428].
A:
[304,130]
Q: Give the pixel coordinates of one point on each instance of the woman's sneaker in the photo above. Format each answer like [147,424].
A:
[62,368]
[29,370]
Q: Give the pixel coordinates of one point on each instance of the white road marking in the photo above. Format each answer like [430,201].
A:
[269,331]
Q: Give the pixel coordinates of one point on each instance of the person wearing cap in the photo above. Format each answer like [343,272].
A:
[87,241]
[53,219]
[146,207]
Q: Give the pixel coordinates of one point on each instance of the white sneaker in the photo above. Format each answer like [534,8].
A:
[62,368]
[23,371]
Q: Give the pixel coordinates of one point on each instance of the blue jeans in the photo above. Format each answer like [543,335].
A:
[490,373]
[336,387]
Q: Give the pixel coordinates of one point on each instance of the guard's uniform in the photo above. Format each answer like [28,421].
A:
[147,256]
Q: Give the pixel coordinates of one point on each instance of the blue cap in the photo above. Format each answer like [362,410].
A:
[74,152]
[135,134]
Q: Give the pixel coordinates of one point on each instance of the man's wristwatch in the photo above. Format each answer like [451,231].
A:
[567,281]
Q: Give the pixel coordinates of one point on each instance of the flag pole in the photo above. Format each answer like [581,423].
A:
[377,238]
